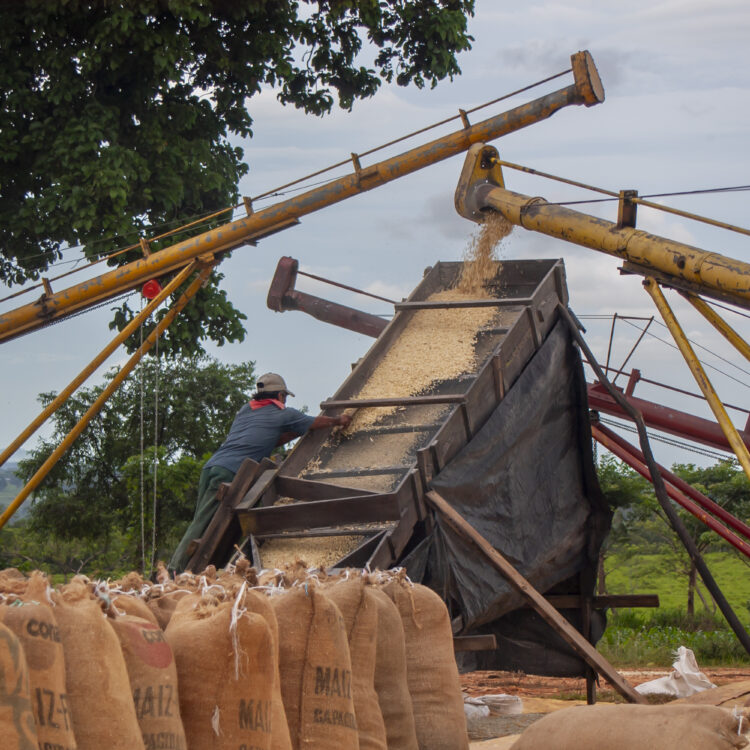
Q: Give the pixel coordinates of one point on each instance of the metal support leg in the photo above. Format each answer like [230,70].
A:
[112,386]
[719,324]
[735,441]
[66,392]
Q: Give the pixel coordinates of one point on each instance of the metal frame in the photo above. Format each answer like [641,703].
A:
[110,388]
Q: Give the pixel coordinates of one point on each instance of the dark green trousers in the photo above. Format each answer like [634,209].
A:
[208,487]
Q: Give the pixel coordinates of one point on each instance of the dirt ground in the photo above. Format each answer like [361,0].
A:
[532,686]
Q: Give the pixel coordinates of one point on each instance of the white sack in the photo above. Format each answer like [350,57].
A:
[685,680]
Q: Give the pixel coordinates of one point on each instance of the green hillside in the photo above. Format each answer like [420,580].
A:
[655,574]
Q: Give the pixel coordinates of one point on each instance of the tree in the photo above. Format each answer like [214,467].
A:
[116,118]
[94,498]
[640,526]
[726,484]
[625,492]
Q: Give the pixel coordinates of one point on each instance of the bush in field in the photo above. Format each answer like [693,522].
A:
[636,639]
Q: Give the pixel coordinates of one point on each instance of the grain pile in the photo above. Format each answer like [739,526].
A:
[318,551]
[436,345]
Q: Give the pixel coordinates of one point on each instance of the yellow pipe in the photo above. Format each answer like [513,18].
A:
[712,271]
[112,386]
[82,376]
[585,90]
[720,324]
[735,441]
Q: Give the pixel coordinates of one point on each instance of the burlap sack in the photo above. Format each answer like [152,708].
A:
[258,604]
[225,668]
[390,676]
[632,727]
[33,622]
[431,671]
[359,609]
[99,695]
[163,605]
[316,671]
[12,581]
[153,681]
[17,730]
[135,606]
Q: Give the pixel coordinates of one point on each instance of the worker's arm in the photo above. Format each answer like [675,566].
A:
[342,421]
[320,422]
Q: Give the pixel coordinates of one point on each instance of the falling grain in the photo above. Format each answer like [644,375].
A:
[479,259]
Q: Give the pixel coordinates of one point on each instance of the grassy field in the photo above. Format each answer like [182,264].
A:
[647,637]
[654,574]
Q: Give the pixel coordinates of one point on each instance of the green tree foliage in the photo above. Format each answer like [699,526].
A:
[93,499]
[640,526]
[116,117]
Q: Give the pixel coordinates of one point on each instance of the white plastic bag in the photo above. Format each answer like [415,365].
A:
[475,709]
[685,680]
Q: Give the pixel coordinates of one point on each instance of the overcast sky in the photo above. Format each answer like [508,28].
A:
[675,119]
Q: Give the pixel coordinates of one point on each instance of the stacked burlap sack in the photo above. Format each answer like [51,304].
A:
[281,660]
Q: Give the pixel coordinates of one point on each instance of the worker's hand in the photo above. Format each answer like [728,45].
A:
[344,420]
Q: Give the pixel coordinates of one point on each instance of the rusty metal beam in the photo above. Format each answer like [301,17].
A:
[664,418]
[714,274]
[110,388]
[100,358]
[628,455]
[586,90]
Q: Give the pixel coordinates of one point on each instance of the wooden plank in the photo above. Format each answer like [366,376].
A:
[451,438]
[254,553]
[350,530]
[518,348]
[553,618]
[320,513]
[394,542]
[397,429]
[374,472]
[358,557]
[252,496]
[482,399]
[307,489]
[497,372]
[614,601]
[382,558]
[221,531]
[442,305]
[586,580]
[425,466]
[474,643]
[363,403]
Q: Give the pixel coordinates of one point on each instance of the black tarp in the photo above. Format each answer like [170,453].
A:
[526,482]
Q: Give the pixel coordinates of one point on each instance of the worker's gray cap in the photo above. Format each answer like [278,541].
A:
[271,382]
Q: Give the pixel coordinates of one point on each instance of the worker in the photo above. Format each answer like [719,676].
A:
[260,426]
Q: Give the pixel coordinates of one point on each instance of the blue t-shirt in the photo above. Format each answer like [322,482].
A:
[256,432]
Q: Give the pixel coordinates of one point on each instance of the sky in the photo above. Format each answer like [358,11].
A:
[675,119]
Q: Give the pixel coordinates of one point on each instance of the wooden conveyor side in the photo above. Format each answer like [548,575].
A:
[382,521]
